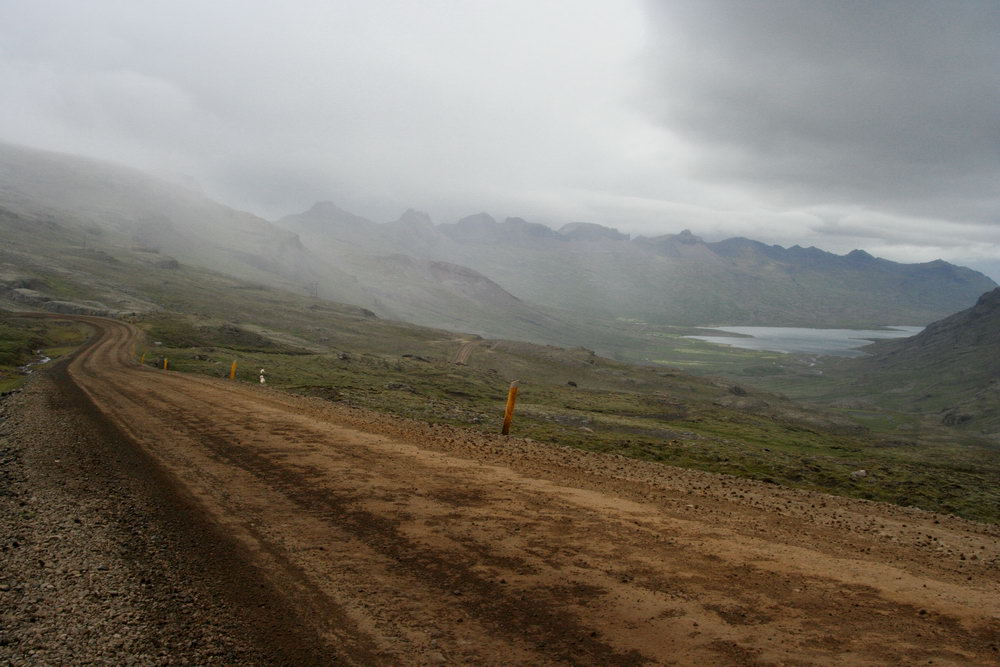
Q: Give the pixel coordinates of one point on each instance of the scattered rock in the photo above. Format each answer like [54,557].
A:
[27,296]
[58,612]
[858,474]
[77,308]
[954,418]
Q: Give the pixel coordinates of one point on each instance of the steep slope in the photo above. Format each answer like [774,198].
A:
[672,279]
[433,293]
[105,198]
[952,368]
[95,203]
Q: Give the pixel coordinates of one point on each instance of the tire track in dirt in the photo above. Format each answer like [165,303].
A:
[408,544]
[464,352]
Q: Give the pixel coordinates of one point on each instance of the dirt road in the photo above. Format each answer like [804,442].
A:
[399,542]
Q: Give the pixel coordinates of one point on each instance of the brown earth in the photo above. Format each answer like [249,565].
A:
[384,541]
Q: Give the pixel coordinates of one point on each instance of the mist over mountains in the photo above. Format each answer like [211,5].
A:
[599,272]
[510,278]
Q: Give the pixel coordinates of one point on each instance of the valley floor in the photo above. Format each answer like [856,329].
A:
[228,522]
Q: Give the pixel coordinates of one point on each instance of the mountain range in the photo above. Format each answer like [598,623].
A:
[513,279]
[675,279]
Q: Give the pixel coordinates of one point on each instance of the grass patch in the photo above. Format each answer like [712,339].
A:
[25,340]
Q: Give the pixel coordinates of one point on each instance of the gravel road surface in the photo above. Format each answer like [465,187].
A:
[152,516]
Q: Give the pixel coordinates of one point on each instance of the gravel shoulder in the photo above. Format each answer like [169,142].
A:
[103,561]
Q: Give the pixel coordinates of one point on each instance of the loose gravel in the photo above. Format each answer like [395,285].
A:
[98,566]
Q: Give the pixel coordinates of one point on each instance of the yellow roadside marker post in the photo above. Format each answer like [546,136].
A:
[164,363]
[508,414]
[142,359]
[232,371]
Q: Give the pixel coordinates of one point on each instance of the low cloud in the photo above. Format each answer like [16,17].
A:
[836,124]
[887,105]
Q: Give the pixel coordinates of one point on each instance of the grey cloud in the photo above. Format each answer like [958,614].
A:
[840,124]
[890,104]
[384,103]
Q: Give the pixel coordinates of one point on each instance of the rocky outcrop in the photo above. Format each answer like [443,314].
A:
[27,296]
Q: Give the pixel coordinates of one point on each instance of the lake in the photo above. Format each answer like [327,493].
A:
[801,340]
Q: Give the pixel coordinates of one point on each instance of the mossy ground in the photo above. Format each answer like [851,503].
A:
[25,340]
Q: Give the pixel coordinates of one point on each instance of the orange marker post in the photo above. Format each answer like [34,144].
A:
[508,414]
[232,371]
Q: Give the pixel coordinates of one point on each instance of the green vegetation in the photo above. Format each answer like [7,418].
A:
[25,340]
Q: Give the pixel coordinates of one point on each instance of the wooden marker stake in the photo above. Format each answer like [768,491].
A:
[232,371]
[508,414]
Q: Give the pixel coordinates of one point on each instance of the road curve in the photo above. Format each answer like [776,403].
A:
[403,543]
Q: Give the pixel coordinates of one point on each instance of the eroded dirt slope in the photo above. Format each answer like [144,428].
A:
[399,542]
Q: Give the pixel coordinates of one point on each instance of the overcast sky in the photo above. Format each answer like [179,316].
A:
[839,124]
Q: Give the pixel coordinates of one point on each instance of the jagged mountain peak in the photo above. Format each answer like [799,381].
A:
[990,301]
[325,215]
[483,228]
[590,231]
[860,254]
[687,237]
[477,219]
[412,216]
[325,206]
[521,226]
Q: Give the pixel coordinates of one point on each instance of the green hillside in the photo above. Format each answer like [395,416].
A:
[950,371]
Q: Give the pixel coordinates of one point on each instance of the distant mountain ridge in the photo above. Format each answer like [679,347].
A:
[671,279]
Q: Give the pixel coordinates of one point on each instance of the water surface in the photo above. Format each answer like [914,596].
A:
[802,340]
